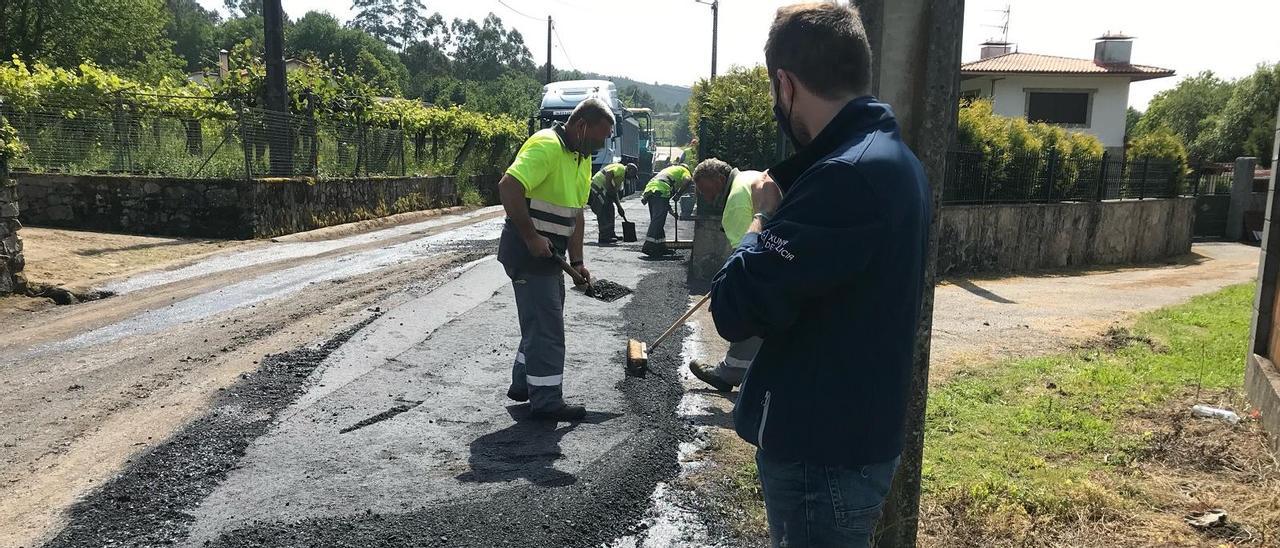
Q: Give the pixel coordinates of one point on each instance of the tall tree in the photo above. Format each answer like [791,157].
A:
[243,8]
[484,51]
[414,25]
[379,18]
[122,34]
[633,96]
[1189,109]
[1246,124]
[193,31]
[349,48]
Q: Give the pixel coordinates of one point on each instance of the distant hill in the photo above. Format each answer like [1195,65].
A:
[665,94]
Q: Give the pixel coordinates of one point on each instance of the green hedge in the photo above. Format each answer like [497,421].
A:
[733,118]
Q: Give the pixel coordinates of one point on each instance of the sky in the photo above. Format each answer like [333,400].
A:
[669,41]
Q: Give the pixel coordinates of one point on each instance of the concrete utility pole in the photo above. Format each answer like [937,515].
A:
[916,69]
[279,136]
[715,31]
[548,49]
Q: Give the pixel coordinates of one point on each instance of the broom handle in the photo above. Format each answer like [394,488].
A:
[680,321]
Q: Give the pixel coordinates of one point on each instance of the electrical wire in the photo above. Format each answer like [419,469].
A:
[556,32]
[518,12]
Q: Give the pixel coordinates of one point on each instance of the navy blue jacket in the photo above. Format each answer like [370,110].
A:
[833,285]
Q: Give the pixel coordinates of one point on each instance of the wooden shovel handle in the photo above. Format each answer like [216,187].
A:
[681,321]
[571,271]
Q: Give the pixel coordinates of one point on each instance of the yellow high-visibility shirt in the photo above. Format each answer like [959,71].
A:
[664,183]
[738,208]
[556,180]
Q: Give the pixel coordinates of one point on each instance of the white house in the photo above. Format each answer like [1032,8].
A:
[1086,94]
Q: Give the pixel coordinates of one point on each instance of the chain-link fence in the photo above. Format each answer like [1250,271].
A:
[250,143]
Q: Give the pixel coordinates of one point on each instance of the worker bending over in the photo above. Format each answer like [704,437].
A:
[727,188]
[667,185]
[606,195]
[543,193]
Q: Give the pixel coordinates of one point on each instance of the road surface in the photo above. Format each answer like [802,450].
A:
[334,393]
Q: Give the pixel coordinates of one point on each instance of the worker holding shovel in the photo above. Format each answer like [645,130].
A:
[544,192]
[606,196]
[666,186]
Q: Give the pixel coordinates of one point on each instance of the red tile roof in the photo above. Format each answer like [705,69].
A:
[1031,63]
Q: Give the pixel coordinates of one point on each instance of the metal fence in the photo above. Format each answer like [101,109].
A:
[973,178]
[251,143]
[1211,180]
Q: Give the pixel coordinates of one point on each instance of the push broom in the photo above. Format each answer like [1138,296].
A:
[638,351]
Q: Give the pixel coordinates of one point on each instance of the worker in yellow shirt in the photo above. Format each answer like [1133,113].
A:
[663,189]
[723,186]
[544,192]
[606,195]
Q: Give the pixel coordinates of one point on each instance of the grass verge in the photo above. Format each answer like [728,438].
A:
[1096,446]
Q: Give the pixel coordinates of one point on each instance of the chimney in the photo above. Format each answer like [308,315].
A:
[1113,49]
[995,48]
[224,64]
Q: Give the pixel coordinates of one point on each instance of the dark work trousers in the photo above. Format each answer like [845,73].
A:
[655,239]
[602,204]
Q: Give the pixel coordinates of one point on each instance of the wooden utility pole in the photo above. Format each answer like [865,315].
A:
[715,31]
[916,69]
[548,49]
[279,133]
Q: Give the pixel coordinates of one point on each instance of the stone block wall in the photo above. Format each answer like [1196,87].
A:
[217,208]
[1029,237]
[11,259]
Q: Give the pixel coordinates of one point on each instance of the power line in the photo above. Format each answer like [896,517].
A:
[518,12]
[562,48]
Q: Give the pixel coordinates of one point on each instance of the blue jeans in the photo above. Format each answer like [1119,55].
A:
[812,505]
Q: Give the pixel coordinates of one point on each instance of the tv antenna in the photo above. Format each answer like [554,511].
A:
[1004,25]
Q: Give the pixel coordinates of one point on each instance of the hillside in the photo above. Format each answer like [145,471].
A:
[664,94]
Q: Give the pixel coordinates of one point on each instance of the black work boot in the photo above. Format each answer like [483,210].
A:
[516,395]
[708,375]
[566,412]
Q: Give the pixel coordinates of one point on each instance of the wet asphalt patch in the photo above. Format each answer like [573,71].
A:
[149,503]
[146,504]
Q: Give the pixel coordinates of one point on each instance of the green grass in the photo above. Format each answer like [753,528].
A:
[1045,438]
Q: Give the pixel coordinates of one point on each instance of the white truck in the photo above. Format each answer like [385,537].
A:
[632,140]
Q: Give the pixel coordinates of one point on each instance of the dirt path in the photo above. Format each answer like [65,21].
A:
[977,321]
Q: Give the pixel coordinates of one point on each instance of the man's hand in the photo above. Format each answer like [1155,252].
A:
[765,195]
[539,245]
[586,274]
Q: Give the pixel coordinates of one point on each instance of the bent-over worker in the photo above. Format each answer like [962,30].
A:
[666,186]
[606,197]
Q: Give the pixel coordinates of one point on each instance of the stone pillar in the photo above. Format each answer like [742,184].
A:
[11,260]
[916,69]
[1241,188]
[1261,376]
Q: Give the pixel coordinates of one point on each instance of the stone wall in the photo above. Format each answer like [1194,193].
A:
[1022,238]
[212,208]
[11,260]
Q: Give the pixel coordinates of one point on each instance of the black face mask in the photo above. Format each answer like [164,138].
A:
[783,120]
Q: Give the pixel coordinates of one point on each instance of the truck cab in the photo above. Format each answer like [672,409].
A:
[630,142]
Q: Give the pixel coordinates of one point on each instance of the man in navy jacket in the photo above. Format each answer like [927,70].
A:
[830,276]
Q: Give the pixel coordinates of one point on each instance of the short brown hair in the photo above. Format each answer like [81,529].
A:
[824,45]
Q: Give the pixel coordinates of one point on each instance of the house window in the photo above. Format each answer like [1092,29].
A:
[971,95]
[1066,108]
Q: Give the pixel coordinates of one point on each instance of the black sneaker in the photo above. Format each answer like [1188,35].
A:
[708,375]
[518,395]
[565,412]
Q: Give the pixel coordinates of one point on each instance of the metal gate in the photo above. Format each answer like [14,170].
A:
[1211,216]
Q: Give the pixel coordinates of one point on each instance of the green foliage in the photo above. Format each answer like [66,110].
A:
[320,35]
[1161,144]
[1009,147]
[10,146]
[487,50]
[126,35]
[397,23]
[1246,124]
[193,31]
[733,118]
[1217,120]
[1131,118]
[633,96]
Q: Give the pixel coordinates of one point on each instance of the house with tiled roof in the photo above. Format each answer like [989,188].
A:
[1082,94]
